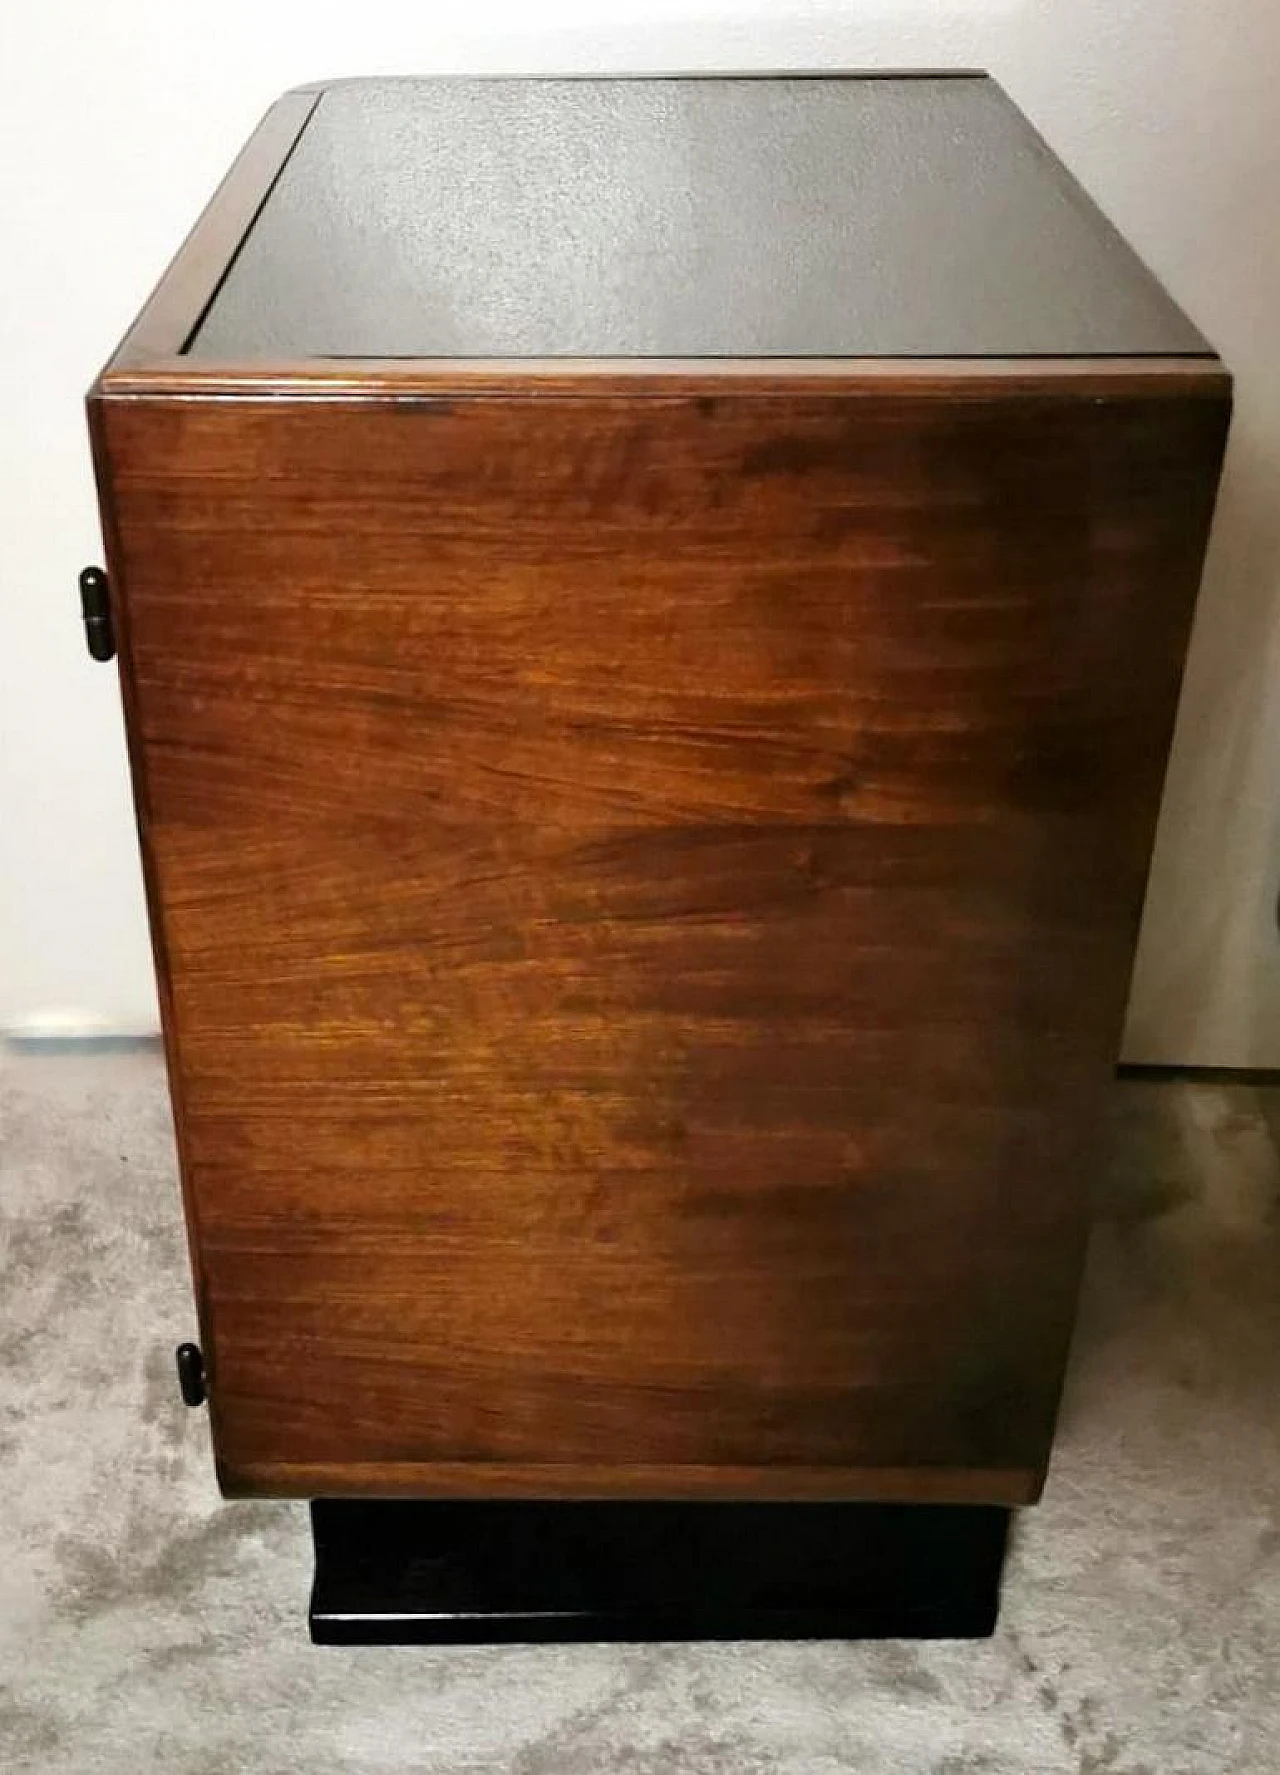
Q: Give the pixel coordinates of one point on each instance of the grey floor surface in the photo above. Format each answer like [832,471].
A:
[147,1626]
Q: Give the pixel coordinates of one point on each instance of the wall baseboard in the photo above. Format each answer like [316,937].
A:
[18,1041]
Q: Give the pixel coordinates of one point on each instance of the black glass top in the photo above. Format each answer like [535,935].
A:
[828,216]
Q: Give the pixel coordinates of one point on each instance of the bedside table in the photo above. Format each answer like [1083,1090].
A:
[650,615]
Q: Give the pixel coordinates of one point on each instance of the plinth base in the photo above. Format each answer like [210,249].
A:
[436,1573]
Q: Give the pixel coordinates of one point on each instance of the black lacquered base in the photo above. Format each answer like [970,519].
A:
[435,1573]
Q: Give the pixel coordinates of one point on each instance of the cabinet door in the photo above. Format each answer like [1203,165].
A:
[645,885]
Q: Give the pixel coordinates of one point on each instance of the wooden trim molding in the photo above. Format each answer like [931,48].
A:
[381,379]
[174,308]
[459,1479]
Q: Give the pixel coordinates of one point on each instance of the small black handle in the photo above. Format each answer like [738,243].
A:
[95,603]
[190,1374]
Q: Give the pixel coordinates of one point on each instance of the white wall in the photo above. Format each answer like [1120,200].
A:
[119,119]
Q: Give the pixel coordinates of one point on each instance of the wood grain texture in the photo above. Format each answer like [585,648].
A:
[647,883]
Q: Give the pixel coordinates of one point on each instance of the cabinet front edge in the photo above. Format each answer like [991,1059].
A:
[391,380]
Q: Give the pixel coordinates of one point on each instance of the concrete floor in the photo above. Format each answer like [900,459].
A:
[147,1626]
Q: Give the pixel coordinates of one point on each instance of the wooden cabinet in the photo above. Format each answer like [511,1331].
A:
[650,614]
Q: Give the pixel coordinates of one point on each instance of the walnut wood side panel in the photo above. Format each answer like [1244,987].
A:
[647,881]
